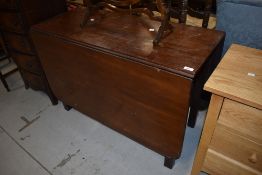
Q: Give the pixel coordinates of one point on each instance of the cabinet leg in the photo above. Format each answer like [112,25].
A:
[53,99]
[194,102]
[169,162]
[2,78]
[26,84]
[49,92]
[192,117]
[24,80]
[51,96]
[207,12]
[67,107]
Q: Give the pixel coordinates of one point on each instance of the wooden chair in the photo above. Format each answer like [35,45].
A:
[201,9]
[164,7]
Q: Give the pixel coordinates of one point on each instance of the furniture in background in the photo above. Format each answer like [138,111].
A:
[179,7]
[7,67]
[201,9]
[241,20]
[166,8]
[231,141]
[179,10]
[112,72]
[3,52]
[16,17]
[134,7]
[196,8]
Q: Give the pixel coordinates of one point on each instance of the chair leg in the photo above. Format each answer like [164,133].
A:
[4,82]
[207,12]
[183,13]
[206,19]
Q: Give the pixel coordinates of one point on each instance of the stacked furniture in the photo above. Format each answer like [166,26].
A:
[231,141]
[16,17]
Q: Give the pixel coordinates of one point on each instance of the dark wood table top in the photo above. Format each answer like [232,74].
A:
[128,36]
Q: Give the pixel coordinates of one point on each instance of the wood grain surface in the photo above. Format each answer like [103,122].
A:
[129,35]
[231,78]
[242,119]
[134,99]
[216,163]
[237,147]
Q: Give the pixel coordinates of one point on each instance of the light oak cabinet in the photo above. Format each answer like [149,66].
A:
[231,141]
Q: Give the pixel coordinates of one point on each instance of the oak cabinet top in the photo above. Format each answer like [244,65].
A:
[239,76]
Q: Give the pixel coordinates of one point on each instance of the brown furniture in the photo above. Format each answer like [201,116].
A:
[110,71]
[140,7]
[16,17]
[231,141]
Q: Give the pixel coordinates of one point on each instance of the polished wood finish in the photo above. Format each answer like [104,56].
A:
[234,141]
[16,17]
[136,7]
[112,72]
[136,100]
[206,42]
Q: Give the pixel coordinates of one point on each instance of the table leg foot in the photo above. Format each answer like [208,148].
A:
[67,107]
[169,162]
[53,99]
[192,117]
